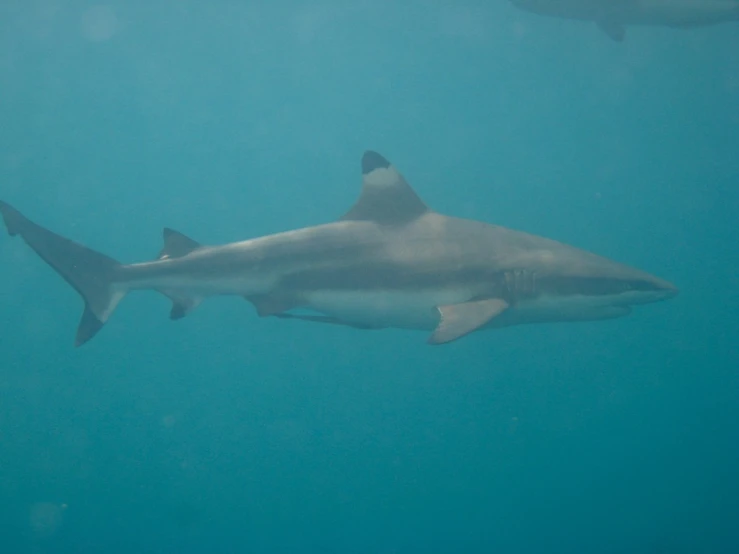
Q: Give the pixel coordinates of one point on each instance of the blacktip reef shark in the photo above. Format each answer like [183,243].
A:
[613,16]
[389,262]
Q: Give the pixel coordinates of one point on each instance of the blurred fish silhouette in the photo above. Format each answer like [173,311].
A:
[613,16]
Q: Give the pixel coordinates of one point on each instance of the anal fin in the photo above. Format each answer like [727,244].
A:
[181,305]
[458,320]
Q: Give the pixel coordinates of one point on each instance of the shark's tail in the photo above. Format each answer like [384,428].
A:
[92,274]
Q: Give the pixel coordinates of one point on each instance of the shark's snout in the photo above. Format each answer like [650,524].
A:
[666,289]
[653,290]
[672,291]
[666,294]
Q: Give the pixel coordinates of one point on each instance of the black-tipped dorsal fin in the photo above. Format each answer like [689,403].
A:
[386,196]
[176,245]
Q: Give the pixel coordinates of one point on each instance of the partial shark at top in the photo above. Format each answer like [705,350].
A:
[390,261]
[613,16]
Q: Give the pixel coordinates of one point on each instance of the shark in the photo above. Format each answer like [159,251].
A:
[613,16]
[389,262]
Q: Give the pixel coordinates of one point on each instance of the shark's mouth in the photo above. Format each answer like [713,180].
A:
[606,287]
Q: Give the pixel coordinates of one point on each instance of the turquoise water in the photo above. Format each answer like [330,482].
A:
[227,433]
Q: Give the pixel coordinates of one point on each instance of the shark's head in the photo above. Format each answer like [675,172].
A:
[585,297]
[581,286]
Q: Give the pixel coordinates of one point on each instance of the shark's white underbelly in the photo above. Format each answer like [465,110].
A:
[405,310]
[418,310]
[402,309]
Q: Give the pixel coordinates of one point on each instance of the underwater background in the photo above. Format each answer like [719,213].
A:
[226,433]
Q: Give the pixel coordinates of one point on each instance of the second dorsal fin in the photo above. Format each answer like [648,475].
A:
[176,244]
[386,197]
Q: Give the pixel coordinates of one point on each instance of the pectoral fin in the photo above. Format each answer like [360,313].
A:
[458,320]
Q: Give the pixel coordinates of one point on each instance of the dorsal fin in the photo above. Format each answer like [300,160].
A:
[176,244]
[386,196]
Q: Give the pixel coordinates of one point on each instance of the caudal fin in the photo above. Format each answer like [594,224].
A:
[91,274]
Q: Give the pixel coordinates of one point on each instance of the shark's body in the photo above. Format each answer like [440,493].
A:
[389,262]
[613,16]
